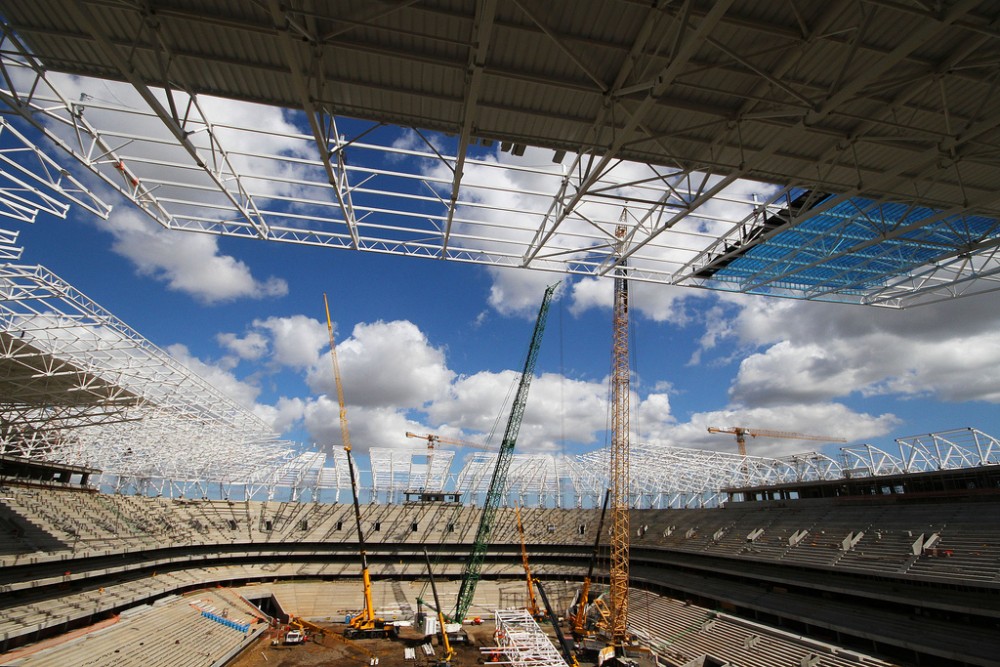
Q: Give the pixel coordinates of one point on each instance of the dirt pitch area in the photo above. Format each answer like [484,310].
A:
[332,649]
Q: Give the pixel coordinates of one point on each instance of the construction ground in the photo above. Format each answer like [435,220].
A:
[333,649]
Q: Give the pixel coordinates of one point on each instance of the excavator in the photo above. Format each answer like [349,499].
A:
[365,625]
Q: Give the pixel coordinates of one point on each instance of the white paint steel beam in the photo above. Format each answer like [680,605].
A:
[424,194]
[520,642]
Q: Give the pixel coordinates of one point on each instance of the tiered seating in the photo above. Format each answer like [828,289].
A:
[46,524]
[170,633]
[681,530]
[968,548]
[823,546]
[683,632]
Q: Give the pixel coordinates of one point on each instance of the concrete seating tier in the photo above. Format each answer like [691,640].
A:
[683,632]
[40,525]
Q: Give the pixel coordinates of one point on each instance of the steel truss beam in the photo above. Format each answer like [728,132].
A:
[945,450]
[81,387]
[520,642]
[417,193]
[396,471]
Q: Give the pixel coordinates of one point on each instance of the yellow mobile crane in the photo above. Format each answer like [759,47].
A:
[364,625]
[532,604]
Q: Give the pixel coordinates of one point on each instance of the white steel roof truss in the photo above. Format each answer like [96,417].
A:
[462,231]
[520,642]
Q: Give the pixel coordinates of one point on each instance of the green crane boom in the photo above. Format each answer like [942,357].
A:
[474,564]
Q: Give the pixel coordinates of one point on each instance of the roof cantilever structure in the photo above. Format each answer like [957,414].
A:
[396,471]
[841,152]
[81,387]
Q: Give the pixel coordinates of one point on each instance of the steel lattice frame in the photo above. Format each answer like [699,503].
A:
[129,408]
[531,479]
[520,642]
[82,387]
[944,450]
[446,196]
[396,471]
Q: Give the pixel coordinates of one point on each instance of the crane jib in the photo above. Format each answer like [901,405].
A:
[474,564]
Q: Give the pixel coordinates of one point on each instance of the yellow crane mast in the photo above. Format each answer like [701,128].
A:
[449,652]
[620,477]
[364,624]
[741,433]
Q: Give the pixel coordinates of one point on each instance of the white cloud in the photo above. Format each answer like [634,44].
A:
[297,341]
[367,427]
[252,346]
[188,263]
[386,364]
[519,292]
[558,410]
[808,351]
[283,415]
[823,419]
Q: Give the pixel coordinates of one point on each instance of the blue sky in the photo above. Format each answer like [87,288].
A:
[431,346]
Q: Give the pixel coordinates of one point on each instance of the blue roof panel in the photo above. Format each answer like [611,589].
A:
[856,244]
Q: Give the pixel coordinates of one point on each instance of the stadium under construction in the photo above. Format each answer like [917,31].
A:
[149,519]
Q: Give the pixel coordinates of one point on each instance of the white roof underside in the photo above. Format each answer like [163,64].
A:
[875,124]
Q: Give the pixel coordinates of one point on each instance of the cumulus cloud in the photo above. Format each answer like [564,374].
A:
[225,381]
[283,415]
[824,419]
[252,346]
[367,426]
[559,409]
[188,263]
[296,341]
[386,364]
[821,352]
[519,292]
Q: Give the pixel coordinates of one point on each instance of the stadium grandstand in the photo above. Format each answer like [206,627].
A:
[139,501]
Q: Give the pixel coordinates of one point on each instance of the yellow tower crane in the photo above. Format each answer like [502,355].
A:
[433,440]
[620,476]
[741,433]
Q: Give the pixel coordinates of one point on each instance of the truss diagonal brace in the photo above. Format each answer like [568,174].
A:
[337,176]
[662,81]
[482,32]
[244,203]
